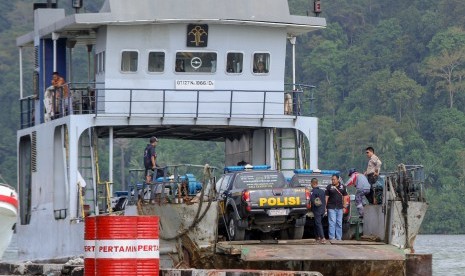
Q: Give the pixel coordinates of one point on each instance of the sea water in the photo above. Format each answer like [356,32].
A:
[448,253]
[11,253]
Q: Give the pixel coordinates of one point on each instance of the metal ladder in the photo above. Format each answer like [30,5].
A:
[289,150]
[103,187]
[285,148]
[86,169]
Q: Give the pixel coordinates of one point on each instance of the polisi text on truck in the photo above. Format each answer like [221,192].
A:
[277,201]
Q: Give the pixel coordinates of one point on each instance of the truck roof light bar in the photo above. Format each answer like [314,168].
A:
[246,167]
[328,172]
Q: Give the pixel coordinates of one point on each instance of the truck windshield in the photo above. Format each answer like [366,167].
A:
[259,180]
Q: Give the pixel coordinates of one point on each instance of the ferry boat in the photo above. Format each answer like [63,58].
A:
[211,70]
[8,215]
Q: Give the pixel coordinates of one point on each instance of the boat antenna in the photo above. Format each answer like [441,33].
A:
[77,4]
[50,3]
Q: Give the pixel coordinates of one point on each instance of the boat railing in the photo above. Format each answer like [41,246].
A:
[7,186]
[162,103]
[170,183]
[407,182]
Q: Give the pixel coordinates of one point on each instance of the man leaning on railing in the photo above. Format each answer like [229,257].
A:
[61,99]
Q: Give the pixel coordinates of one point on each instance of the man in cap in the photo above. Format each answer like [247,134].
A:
[318,202]
[150,159]
[360,182]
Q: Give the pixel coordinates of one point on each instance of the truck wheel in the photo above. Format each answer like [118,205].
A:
[296,233]
[235,232]
[284,234]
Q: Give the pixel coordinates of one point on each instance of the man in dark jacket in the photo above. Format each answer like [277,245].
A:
[150,159]
[318,202]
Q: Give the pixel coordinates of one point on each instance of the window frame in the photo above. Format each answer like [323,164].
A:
[222,185]
[148,61]
[226,63]
[240,184]
[100,58]
[194,72]
[267,63]
[121,61]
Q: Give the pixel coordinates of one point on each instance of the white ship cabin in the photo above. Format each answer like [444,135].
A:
[200,70]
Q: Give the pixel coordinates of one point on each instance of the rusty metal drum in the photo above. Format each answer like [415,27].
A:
[89,246]
[127,245]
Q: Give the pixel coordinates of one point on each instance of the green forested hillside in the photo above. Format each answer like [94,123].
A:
[390,74]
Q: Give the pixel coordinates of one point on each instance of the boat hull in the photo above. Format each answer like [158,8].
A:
[175,219]
[8,216]
[391,225]
[198,248]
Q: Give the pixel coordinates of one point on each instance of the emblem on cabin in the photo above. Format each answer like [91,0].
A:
[197,35]
[196,62]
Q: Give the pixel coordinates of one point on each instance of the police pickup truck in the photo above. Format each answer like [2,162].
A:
[350,220]
[254,198]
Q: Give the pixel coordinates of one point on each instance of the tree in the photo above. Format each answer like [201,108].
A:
[404,94]
[448,69]
[446,65]
[452,12]
[443,124]
[379,132]
[323,64]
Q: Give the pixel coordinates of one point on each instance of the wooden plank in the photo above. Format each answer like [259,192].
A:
[235,247]
[329,251]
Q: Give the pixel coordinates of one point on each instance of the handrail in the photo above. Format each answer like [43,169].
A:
[8,186]
[129,102]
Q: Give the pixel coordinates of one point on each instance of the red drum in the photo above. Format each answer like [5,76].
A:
[89,246]
[127,245]
[148,261]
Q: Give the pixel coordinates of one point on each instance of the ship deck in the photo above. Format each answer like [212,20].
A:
[333,258]
[308,249]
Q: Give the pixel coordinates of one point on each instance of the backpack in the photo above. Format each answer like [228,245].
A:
[316,201]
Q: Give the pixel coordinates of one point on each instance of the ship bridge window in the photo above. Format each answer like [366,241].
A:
[195,62]
[234,63]
[156,62]
[129,61]
[261,63]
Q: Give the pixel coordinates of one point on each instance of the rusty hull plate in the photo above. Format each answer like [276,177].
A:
[233,272]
